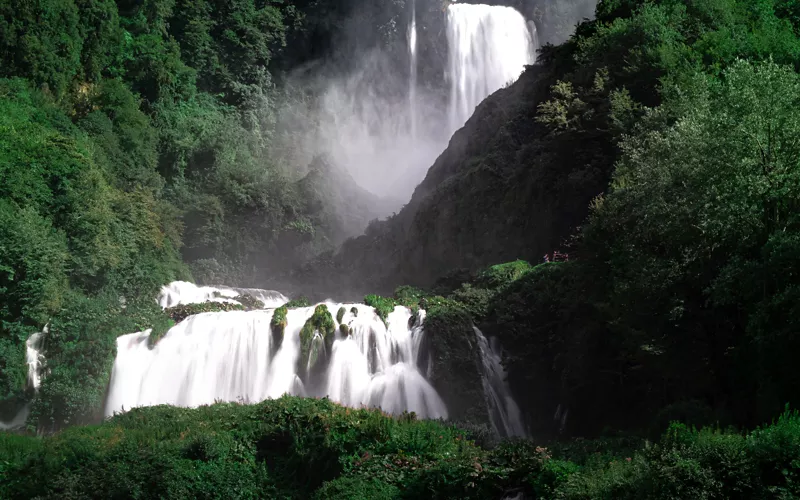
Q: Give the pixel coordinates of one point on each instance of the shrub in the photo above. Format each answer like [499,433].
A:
[383,306]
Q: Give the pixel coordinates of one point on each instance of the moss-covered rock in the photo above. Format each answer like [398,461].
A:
[160,328]
[345,330]
[354,311]
[453,348]
[174,315]
[278,327]
[340,314]
[249,302]
[321,321]
[183,311]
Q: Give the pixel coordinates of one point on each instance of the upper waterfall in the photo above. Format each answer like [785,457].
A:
[489,47]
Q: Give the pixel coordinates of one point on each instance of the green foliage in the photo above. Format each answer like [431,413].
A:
[298,302]
[81,346]
[357,488]
[67,226]
[475,299]
[682,299]
[500,275]
[41,41]
[717,204]
[310,448]
[383,305]
[409,296]
[180,312]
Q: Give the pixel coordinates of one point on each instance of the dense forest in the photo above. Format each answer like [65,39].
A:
[656,146]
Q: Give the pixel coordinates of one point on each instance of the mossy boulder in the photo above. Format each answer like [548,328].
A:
[452,346]
[354,310]
[321,321]
[183,311]
[248,301]
[278,327]
[174,315]
[340,314]
[160,328]
[345,330]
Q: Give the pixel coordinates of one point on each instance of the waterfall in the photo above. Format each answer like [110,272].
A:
[34,358]
[412,72]
[231,356]
[504,413]
[183,292]
[385,125]
[489,47]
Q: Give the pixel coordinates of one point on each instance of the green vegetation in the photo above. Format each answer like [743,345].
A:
[383,305]
[676,304]
[137,146]
[183,311]
[298,302]
[80,354]
[456,359]
[306,448]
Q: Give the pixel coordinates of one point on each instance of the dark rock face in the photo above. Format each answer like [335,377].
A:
[506,188]
[456,365]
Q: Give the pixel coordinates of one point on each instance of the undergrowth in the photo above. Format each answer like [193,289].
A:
[313,448]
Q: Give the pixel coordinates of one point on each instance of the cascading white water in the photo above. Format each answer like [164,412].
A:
[489,47]
[385,131]
[230,356]
[503,410]
[183,292]
[34,358]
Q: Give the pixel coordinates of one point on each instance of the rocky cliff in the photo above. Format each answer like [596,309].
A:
[507,187]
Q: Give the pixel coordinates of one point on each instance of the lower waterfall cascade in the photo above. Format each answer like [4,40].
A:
[504,412]
[231,356]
